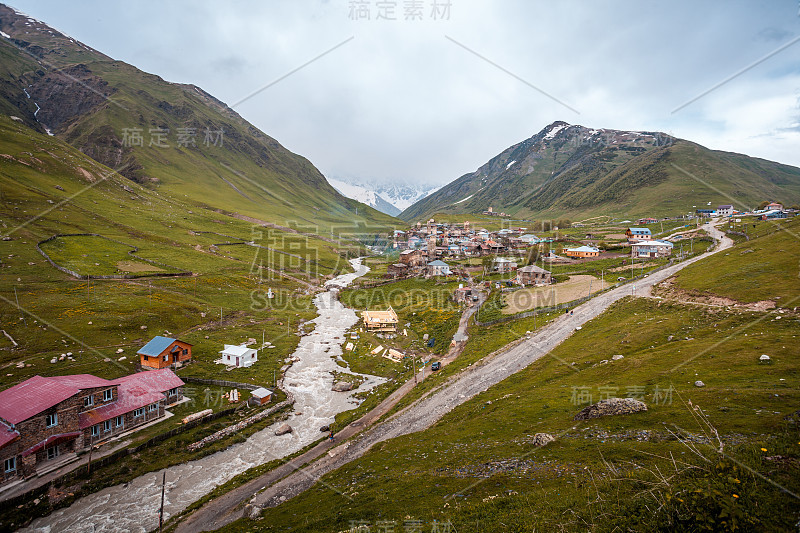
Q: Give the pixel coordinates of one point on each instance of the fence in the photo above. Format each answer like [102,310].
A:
[132,253]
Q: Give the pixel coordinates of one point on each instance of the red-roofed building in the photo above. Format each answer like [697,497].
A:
[43,418]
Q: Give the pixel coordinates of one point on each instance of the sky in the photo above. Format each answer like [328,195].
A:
[432,89]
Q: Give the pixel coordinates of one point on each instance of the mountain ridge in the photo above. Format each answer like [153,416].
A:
[576,171]
[58,85]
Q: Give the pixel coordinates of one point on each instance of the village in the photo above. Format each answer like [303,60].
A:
[46,423]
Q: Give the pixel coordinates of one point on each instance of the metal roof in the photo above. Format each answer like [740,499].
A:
[31,397]
[135,391]
[234,349]
[533,268]
[261,392]
[83,381]
[582,249]
[157,345]
[7,435]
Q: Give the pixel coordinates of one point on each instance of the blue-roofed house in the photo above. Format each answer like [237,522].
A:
[638,234]
[163,352]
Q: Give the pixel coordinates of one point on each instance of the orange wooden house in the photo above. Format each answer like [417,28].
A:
[163,352]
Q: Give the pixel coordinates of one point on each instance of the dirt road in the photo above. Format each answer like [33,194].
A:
[475,379]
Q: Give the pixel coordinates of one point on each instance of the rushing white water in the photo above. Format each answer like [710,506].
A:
[134,506]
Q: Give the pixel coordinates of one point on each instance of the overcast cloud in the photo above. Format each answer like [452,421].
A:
[402,102]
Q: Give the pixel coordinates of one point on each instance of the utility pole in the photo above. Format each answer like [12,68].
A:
[161,511]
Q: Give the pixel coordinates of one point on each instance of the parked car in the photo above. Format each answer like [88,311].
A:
[475,298]
[436,365]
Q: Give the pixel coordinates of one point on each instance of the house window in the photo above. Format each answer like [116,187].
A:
[88,401]
[51,420]
[153,407]
[166,357]
[10,465]
[138,412]
[96,430]
[144,358]
[120,421]
[107,426]
[172,392]
[108,395]
[52,452]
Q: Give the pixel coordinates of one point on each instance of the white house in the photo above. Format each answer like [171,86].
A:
[239,356]
[725,210]
[438,268]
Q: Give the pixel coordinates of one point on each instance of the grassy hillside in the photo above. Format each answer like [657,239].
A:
[578,174]
[173,138]
[47,188]
[763,268]
[477,469]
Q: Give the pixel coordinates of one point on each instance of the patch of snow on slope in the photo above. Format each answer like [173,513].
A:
[4,34]
[508,166]
[552,133]
[464,200]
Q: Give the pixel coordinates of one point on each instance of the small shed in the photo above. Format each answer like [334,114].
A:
[239,356]
[260,396]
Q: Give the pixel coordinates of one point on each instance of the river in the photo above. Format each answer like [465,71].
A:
[134,506]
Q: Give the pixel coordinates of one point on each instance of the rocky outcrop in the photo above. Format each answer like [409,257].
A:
[342,386]
[611,407]
[542,439]
[283,430]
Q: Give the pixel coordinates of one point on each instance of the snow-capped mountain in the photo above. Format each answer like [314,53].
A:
[390,199]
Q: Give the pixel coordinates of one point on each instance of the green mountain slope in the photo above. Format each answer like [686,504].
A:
[579,172]
[169,137]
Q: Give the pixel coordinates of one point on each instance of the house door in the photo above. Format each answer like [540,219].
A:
[237,361]
[52,452]
[175,357]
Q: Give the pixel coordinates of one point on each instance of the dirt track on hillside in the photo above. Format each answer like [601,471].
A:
[457,390]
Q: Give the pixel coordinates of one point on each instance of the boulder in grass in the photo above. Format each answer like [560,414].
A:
[283,430]
[699,383]
[764,358]
[542,439]
[611,407]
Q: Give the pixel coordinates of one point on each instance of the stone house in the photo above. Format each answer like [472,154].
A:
[45,420]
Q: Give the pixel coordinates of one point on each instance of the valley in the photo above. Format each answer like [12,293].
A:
[202,329]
